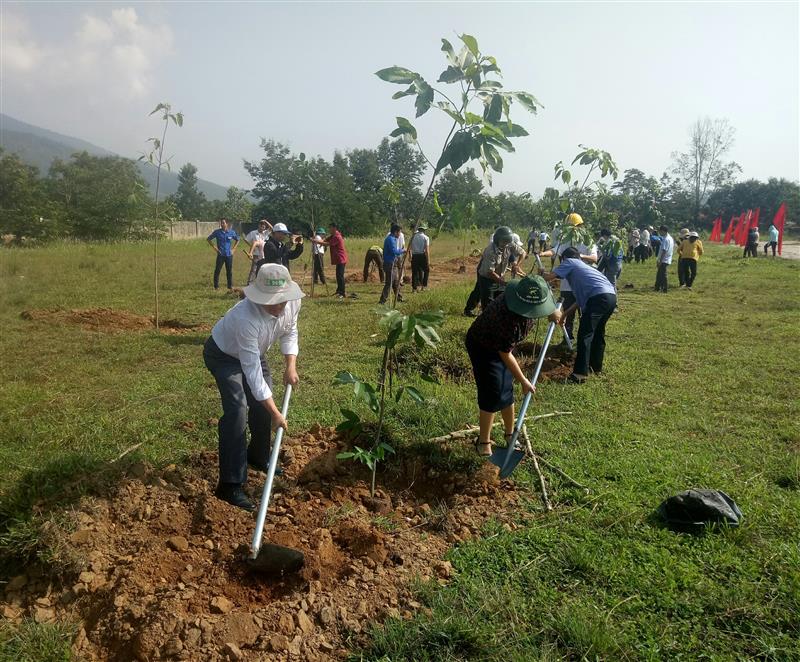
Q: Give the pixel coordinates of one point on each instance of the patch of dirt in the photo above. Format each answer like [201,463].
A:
[358,277]
[109,320]
[163,575]
[557,365]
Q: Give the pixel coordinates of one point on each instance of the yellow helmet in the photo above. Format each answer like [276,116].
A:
[574,219]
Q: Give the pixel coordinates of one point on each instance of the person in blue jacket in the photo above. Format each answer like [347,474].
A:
[391,252]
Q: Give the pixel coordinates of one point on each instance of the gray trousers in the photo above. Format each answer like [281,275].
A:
[240,410]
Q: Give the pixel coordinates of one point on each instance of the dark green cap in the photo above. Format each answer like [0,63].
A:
[530,297]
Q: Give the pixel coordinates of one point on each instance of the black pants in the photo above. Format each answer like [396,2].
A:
[641,253]
[373,258]
[475,296]
[531,245]
[420,269]
[227,260]
[240,410]
[687,269]
[774,245]
[340,279]
[568,298]
[661,277]
[681,279]
[317,269]
[489,291]
[750,249]
[592,333]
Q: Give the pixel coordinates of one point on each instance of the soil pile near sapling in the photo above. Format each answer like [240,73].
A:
[161,564]
[449,360]
[358,277]
[455,264]
[109,320]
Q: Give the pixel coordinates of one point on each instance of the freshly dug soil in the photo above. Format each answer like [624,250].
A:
[108,319]
[557,364]
[161,570]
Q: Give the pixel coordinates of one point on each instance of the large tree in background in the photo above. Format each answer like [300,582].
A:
[702,168]
[751,194]
[25,210]
[188,199]
[97,196]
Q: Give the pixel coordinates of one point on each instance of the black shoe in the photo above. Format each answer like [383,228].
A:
[234,495]
[575,379]
[469,313]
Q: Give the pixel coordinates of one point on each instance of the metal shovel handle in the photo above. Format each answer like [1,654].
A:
[255,546]
[566,335]
[527,400]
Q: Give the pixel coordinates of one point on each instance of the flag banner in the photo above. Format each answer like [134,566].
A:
[729,231]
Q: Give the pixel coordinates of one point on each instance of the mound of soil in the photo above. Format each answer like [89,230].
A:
[162,574]
[108,319]
[557,364]
[358,277]
[456,264]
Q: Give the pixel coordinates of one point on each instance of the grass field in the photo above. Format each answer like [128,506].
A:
[700,390]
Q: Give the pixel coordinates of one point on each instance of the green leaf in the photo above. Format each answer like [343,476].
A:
[490,85]
[501,142]
[564,205]
[494,110]
[424,97]
[436,205]
[430,379]
[387,447]
[414,394]
[451,75]
[566,177]
[472,118]
[457,152]
[430,317]
[405,93]
[426,335]
[179,119]
[512,130]
[447,47]
[528,101]
[345,456]
[344,377]
[447,108]
[471,43]
[398,75]
[349,414]
[492,157]
[399,393]
[404,128]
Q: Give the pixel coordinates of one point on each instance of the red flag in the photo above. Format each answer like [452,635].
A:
[715,230]
[754,221]
[741,239]
[738,228]
[718,229]
[778,222]
[729,231]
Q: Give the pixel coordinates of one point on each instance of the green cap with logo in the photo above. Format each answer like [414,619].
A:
[530,297]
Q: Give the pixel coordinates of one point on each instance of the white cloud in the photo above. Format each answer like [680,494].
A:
[108,56]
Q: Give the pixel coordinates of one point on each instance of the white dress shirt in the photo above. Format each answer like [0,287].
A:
[247,331]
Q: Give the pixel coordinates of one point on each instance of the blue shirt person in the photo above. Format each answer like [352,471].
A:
[224,250]
[391,275]
[595,296]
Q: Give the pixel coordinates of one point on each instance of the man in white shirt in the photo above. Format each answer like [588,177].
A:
[317,257]
[420,259]
[588,253]
[643,250]
[664,258]
[235,355]
[255,240]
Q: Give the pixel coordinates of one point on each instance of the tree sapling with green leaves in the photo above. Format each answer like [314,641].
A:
[156,158]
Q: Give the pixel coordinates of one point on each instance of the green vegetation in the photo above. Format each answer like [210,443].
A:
[36,642]
[700,390]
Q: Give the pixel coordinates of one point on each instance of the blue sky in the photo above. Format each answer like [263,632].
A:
[629,78]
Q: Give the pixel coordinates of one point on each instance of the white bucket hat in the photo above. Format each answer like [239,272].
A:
[273,284]
[280,227]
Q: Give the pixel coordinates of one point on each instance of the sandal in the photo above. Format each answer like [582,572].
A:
[483,446]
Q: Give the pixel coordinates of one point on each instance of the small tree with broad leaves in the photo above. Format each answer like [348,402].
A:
[156,158]
[419,328]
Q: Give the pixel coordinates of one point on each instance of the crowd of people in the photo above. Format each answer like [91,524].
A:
[586,276]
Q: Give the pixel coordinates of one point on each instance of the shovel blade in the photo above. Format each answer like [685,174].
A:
[507,464]
[277,560]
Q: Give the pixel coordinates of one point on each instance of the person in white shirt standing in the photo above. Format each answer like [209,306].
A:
[317,255]
[420,259]
[255,240]
[664,258]
[235,355]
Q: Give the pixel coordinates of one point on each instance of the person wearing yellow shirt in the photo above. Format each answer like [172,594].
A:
[690,250]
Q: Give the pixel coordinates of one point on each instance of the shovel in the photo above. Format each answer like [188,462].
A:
[508,458]
[567,339]
[268,558]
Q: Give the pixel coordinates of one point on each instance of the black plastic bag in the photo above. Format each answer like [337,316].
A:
[696,509]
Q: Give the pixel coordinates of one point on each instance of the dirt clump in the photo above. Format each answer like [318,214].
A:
[108,320]
[557,364]
[162,572]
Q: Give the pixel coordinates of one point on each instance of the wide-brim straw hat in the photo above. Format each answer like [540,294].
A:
[530,297]
[273,284]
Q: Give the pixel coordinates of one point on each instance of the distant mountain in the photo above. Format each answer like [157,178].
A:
[40,147]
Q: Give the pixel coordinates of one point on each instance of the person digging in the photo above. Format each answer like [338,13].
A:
[235,354]
[596,298]
[504,323]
